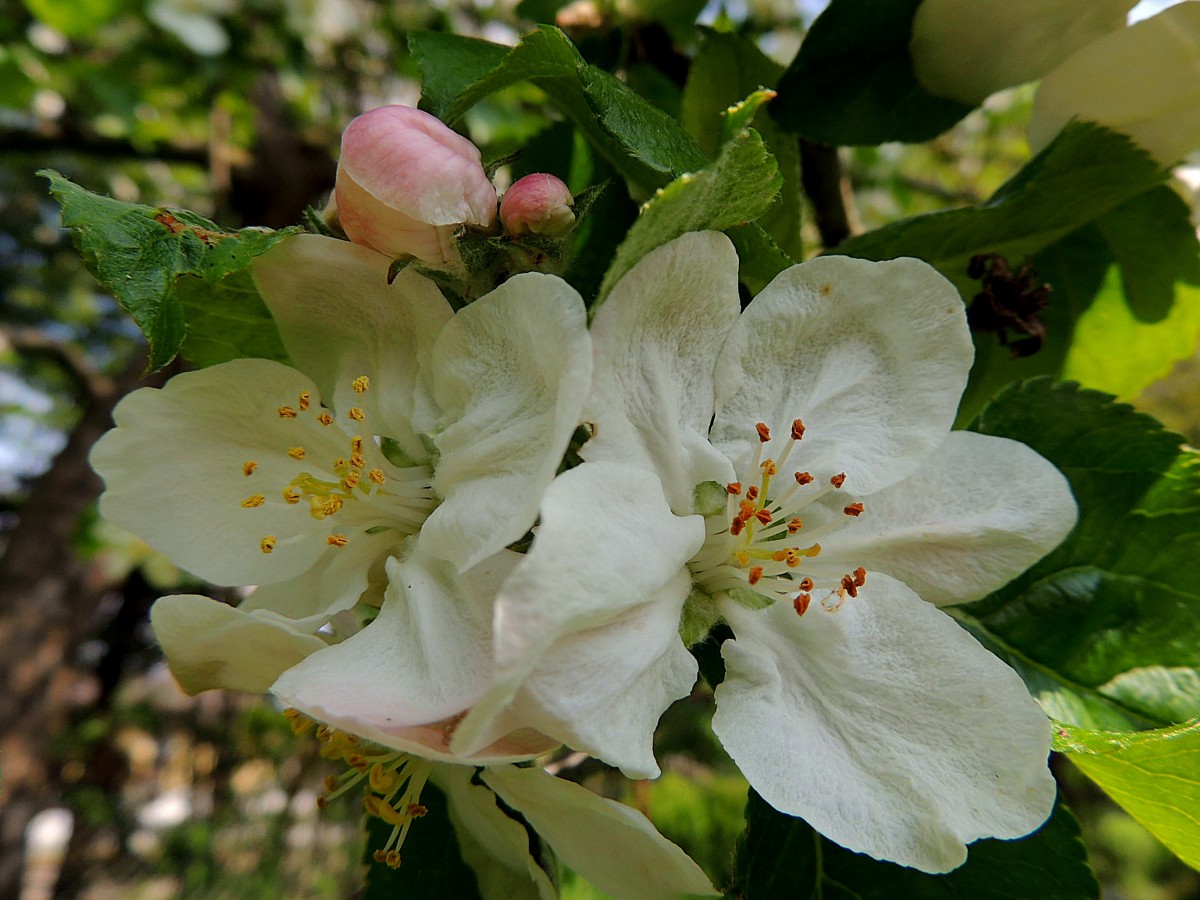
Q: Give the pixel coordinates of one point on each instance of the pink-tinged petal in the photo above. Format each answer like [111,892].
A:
[872,357]
[884,725]
[538,204]
[405,680]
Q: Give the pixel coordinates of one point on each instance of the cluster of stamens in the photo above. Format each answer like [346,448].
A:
[344,479]
[755,546]
[392,780]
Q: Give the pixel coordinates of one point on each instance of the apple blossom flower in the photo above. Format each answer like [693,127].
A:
[967,49]
[406,183]
[806,490]
[1141,80]
[403,427]
[538,204]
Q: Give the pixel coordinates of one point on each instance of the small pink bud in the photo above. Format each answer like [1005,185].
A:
[406,182]
[540,204]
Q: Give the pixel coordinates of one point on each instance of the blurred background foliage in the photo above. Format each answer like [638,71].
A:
[233,108]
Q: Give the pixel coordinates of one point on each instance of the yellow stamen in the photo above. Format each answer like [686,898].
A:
[337,540]
[296,453]
[360,384]
[356,414]
[248,467]
[377,476]
[254,500]
[287,412]
[291,495]
[267,544]
[325,418]
[305,398]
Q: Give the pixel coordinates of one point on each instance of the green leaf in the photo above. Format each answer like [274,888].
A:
[76,18]
[727,68]
[644,144]
[783,857]
[1154,775]
[141,253]
[1087,172]
[733,191]
[431,866]
[449,64]
[226,320]
[1105,630]
[852,81]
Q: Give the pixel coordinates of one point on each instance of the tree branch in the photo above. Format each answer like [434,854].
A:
[828,192]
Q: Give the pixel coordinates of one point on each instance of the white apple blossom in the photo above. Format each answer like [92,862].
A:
[807,490]
[405,429]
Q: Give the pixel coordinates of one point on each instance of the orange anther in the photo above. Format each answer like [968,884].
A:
[737,526]
[803,478]
[416,810]
[806,584]
[296,453]
[800,604]
[286,412]
[267,544]
[752,492]
[305,398]
[854,509]
[795,525]
[860,576]
[393,859]
[764,433]
[325,418]
[734,487]
[356,460]
[254,500]
[356,414]
[797,430]
[248,467]
[849,586]
[337,540]
[755,575]
[838,480]
[763,516]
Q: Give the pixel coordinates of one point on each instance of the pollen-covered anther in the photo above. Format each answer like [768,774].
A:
[755,575]
[351,480]
[356,444]
[806,584]
[860,576]
[357,460]
[305,399]
[797,430]
[332,783]
[392,859]
[267,544]
[337,540]
[803,478]
[737,526]
[764,433]
[416,810]
[849,586]
[325,418]
[254,500]
[383,780]
[795,525]
[297,453]
[356,413]
[752,493]
[734,488]
[292,495]
[838,480]
[248,467]
[360,384]
[800,604]
[331,505]
[287,412]
[763,516]
[377,476]
[299,721]
[769,468]
[854,510]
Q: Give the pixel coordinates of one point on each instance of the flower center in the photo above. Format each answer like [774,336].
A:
[393,780]
[347,482]
[761,548]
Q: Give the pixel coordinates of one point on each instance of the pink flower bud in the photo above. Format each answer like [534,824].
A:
[540,204]
[406,182]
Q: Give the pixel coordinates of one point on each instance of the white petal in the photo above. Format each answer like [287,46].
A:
[588,622]
[213,645]
[966,49]
[979,512]
[339,319]
[872,356]
[511,372]
[884,725]
[1143,80]
[614,847]
[493,844]
[656,337]
[404,679]
[336,582]
[173,471]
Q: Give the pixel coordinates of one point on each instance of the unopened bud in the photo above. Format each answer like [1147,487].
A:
[406,182]
[538,204]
